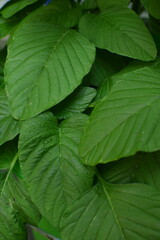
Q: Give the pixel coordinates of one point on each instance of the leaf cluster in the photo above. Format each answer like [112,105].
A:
[80,120]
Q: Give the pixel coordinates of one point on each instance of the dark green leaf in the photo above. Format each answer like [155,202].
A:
[42,71]
[16,7]
[77,102]
[127,120]
[51,165]
[120,31]
[129,211]
[104,4]
[11,227]
[153,7]
[9,127]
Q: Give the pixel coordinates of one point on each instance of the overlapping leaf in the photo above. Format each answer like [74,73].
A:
[51,165]
[119,30]
[153,7]
[77,102]
[129,211]
[104,4]
[11,226]
[58,13]
[127,120]
[45,63]
[9,127]
[16,7]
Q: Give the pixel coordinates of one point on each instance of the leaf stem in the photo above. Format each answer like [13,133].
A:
[45,234]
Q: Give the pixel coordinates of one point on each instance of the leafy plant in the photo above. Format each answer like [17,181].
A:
[80,120]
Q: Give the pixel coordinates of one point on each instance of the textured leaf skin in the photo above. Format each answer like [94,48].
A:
[9,127]
[113,30]
[58,13]
[51,165]
[11,227]
[111,212]
[77,102]
[89,4]
[16,7]
[42,71]
[126,121]
[153,7]
[17,190]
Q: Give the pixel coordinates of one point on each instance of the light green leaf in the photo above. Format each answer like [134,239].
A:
[51,165]
[104,4]
[127,120]
[45,63]
[11,227]
[153,7]
[77,102]
[120,31]
[57,13]
[9,127]
[129,211]
[16,7]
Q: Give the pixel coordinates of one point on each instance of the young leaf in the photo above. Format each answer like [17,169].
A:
[16,7]
[77,102]
[9,127]
[45,63]
[51,165]
[129,211]
[153,7]
[127,120]
[121,31]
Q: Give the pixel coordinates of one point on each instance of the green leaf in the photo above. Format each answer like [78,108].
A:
[9,127]
[7,153]
[11,227]
[89,4]
[129,211]
[51,165]
[153,7]
[104,4]
[42,71]
[7,26]
[127,120]
[142,168]
[104,66]
[16,7]
[113,30]
[57,13]
[16,189]
[77,102]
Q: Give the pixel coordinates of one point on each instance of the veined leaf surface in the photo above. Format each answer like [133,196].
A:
[9,127]
[45,63]
[51,165]
[127,120]
[110,212]
[120,31]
